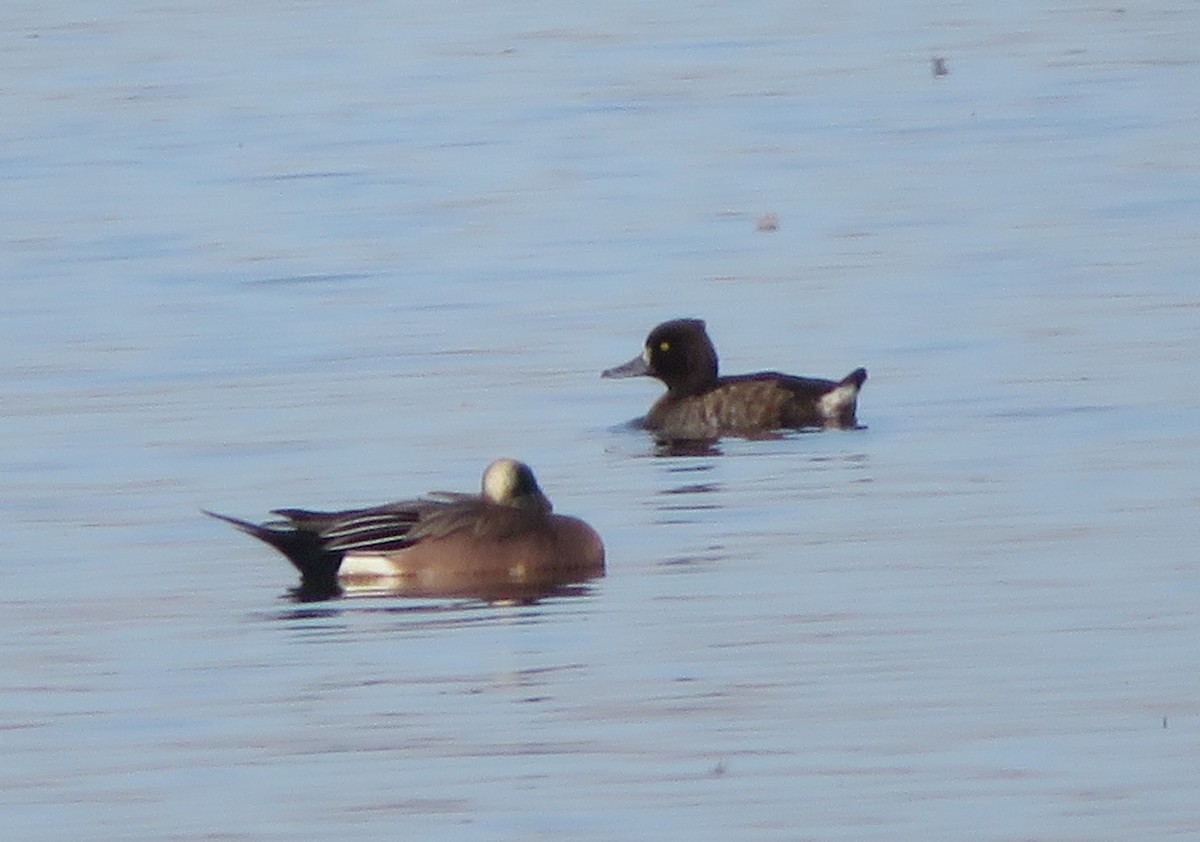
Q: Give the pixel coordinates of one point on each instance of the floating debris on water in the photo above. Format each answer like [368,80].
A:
[767,222]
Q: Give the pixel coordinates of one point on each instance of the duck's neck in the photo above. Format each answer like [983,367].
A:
[700,374]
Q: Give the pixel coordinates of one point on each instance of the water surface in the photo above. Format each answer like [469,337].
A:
[330,255]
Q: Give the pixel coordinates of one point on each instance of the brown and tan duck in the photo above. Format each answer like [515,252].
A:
[505,541]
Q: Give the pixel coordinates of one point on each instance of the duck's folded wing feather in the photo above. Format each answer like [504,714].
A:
[378,528]
[396,526]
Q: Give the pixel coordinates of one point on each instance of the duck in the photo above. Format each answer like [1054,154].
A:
[506,539]
[701,405]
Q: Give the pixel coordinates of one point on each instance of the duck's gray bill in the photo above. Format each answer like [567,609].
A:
[635,367]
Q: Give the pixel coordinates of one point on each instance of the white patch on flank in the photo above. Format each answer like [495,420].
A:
[368,565]
[832,403]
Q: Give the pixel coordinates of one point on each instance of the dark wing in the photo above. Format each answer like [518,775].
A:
[809,388]
[394,526]
[484,519]
[374,529]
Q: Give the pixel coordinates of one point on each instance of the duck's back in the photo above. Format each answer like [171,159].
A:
[754,404]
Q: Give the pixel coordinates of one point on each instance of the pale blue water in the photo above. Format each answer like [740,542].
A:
[334,254]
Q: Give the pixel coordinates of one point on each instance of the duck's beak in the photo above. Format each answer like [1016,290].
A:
[634,368]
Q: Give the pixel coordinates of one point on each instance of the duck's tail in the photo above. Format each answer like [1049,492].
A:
[855,378]
[840,403]
[318,565]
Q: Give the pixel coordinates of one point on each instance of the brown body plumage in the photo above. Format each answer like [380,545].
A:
[504,542]
[701,405]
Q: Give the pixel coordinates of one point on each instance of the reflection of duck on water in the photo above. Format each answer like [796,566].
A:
[504,543]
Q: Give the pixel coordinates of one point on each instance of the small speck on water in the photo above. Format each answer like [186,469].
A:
[938,66]
[767,222]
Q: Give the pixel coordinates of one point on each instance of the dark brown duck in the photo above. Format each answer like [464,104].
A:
[701,405]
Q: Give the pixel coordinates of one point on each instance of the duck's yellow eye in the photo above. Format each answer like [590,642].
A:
[664,346]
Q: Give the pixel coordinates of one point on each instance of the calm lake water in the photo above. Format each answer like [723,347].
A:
[330,254]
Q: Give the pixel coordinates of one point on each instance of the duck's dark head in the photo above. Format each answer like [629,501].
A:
[679,353]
